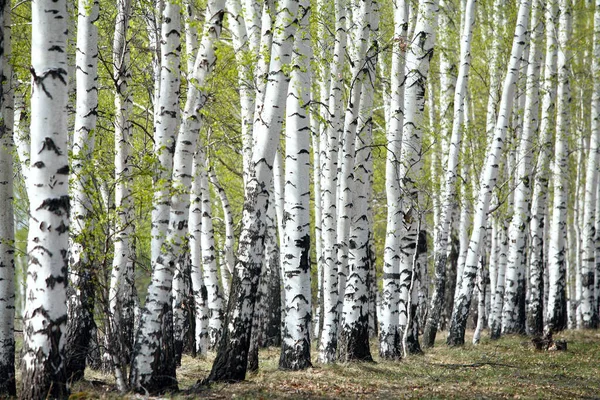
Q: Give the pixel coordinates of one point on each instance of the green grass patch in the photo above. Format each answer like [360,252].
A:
[506,368]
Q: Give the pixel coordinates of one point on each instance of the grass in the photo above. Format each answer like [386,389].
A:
[506,368]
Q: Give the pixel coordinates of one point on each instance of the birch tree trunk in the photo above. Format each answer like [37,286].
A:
[295,346]
[418,59]
[588,309]
[389,337]
[119,339]
[345,209]
[518,229]
[45,317]
[354,335]
[7,235]
[557,300]
[82,272]
[488,181]
[232,355]
[154,362]
[194,229]
[441,246]
[329,160]
[537,254]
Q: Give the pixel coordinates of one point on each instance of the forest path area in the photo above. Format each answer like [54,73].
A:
[505,368]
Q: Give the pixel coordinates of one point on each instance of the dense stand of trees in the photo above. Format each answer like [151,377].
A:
[186,177]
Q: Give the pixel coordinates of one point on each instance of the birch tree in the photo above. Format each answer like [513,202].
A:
[418,59]
[354,335]
[556,318]
[588,309]
[120,333]
[153,365]
[7,267]
[82,273]
[518,229]
[541,181]
[232,355]
[441,244]
[389,337]
[329,161]
[488,181]
[45,317]
[295,347]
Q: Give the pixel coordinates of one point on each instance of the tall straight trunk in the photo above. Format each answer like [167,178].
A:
[345,180]
[295,346]
[441,252]
[329,160]
[588,310]
[411,173]
[45,317]
[82,272]
[7,265]
[195,231]
[119,339]
[537,253]
[557,300]
[488,181]
[232,355]
[481,289]
[496,317]
[354,334]
[154,362]
[216,301]
[227,256]
[389,337]
[518,229]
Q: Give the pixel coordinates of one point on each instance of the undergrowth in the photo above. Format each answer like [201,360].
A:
[506,368]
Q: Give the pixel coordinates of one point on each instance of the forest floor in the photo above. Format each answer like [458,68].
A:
[505,368]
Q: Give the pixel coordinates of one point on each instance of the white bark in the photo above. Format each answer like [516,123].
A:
[557,310]
[488,181]
[43,367]
[443,230]
[231,361]
[518,229]
[329,160]
[81,273]
[588,310]
[345,179]
[389,338]
[153,366]
[537,253]
[295,254]
[194,231]
[7,234]
[120,339]
[418,59]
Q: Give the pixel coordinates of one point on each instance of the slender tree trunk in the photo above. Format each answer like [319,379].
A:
[441,246]
[537,253]
[389,337]
[82,271]
[295,348]
[518,229]
[329,160]
[557,307]
[488,181]
[119,339]
[232,355]
[354,334]
[154,359]
[418,59]
[45,317]
[588,309]
[7,265]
